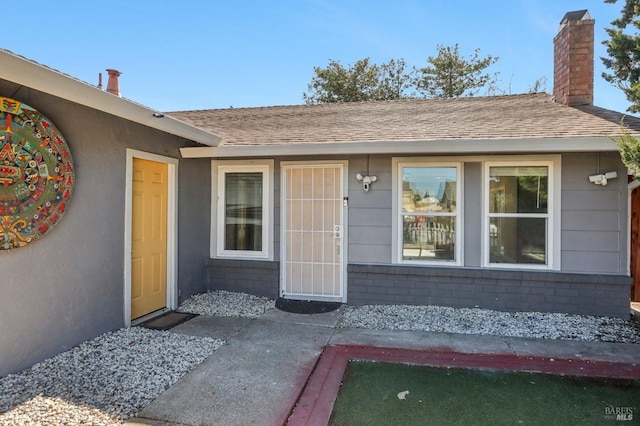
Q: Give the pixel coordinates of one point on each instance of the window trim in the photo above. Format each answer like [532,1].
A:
[398,164]
[220,168]
[553,212]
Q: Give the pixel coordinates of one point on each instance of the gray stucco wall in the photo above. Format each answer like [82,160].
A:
[69,286]
[194,217]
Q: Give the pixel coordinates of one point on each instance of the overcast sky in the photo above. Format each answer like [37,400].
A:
[183,55]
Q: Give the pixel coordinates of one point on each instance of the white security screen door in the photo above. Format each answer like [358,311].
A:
[313,234]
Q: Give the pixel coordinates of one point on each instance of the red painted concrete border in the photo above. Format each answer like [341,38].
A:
[299,387]
[315,404]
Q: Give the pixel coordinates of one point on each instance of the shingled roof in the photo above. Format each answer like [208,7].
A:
[513,117]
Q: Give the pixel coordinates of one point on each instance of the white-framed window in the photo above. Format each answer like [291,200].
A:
[243,214]
[427,212]
[521,214]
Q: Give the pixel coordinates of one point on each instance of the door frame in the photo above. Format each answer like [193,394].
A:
[345,224]
[630,188]
[172,229]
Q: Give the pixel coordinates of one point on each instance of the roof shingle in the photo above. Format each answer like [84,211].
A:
[528,116]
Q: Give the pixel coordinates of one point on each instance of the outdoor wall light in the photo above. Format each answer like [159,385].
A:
[602,179]
[366,181]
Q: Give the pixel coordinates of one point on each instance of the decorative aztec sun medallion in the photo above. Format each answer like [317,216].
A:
[36,174]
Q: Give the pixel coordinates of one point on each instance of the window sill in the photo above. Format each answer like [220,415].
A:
[519,267]
[243,255]
[438,264]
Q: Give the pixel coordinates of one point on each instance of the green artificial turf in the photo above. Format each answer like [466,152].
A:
[447,396]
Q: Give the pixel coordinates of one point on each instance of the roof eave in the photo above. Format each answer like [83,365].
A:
[459,146]
[31,74]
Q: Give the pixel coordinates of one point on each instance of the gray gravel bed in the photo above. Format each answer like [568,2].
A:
[438,319]
[109,379]
[103,381]
[227,304]
[483,321]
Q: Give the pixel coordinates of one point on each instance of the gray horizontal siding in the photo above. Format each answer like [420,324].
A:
[377,236]
[593,241]
[605,199]
[472,207]
[594,217]
[369,252]
[590,220]
[591,261]
[593,249]
[370,218]
[576,168]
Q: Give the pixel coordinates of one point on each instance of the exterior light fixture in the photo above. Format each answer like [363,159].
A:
[366,181]
[603,178]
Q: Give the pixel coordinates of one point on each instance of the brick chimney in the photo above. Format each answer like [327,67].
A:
[112,84]
[573,59]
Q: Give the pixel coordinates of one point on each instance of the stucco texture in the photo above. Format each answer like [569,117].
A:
[69,286]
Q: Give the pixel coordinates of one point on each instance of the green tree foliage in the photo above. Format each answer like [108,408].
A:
[396,80]
[362,81]
[623,48]
[629,150]
[449,75]
[540,85]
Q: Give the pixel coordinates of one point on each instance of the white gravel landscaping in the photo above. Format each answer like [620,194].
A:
[483,321]
[438,319]
[227,304]
[109,379]
[103,381]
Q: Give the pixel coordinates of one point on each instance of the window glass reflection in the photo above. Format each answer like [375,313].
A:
[429,189]
[518,189]
[518,240]
[429,238]
[243,211]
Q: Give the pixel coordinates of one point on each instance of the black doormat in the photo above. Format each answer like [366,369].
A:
[168,320]
[306,306]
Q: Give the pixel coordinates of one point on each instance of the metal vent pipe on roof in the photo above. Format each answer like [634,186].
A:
[112,85]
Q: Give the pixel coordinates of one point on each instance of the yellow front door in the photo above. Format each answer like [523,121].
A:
[148,237]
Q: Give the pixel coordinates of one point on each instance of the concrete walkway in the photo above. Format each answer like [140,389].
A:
[257,377]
